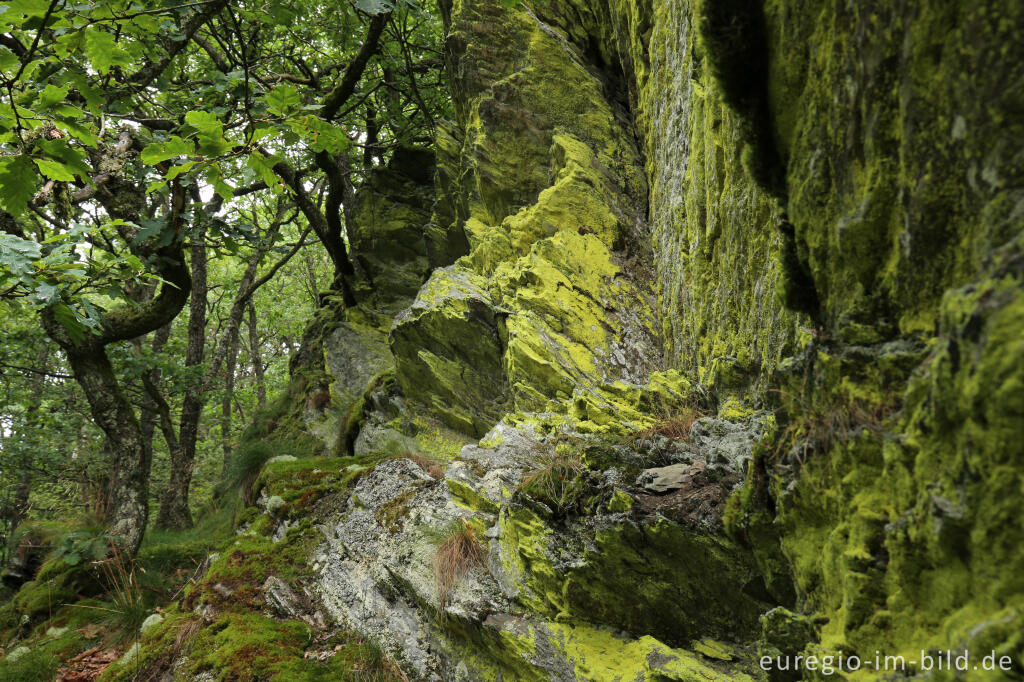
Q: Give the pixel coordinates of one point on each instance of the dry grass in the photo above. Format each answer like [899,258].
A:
[674,426]
[432,467]
[127,604]
[459,552]
[553,478]
[817,424]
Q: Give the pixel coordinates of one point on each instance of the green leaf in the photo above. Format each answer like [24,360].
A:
[283,98]
[54,170]
[8,60]
[213,146]
[175,171]
[149,228]
[211,141]
[156,152]
[17,183]
[46,293]
[93,96]
[18,254]
[102,50]
[265,168]
[282,15]
[52,95]
[71,158]
[19,10]
[67,319]
[77,130]
[204,122]
[222,188]
[375,6]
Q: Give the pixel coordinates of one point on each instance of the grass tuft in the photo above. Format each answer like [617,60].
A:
[554,480]
[458,553]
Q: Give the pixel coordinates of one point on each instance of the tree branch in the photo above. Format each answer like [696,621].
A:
[343,90]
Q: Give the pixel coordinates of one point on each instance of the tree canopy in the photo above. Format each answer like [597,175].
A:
[164,165]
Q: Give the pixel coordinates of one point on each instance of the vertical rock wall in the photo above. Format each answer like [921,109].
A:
[825,201]
[731,294]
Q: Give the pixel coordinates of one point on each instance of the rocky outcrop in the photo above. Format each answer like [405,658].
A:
[717,352]
[555,563]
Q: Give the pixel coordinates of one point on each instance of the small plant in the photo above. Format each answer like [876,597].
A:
[82,544]
[127,605]
[674,426]
[555,480]
[458,553]
[245,465]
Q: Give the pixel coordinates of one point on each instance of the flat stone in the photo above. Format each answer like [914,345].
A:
[672,477]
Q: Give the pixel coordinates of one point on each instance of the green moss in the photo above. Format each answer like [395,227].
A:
[600,655]
[248,647]
[56,584]
[234,581]
[438,441]
[719,593]
[451,327]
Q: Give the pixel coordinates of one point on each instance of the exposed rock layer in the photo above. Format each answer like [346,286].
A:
[804,219]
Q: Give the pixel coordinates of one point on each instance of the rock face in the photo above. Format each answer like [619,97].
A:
[731,295]
[551,570]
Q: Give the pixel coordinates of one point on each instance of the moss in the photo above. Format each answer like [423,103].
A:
[540,306]
[453,325]
[56,584]
[353,420]
[438,441]
[719,593]
[234,581]
[734,40]
[248,647]
[600,655]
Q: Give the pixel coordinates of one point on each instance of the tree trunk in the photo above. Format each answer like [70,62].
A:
[128,510]
[257,358]
[230,364]
[174,510]
[151,409]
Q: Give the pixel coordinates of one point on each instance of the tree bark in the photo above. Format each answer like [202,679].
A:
[128,510]
[230,364]
[174,510]
[257,358]
[153,413]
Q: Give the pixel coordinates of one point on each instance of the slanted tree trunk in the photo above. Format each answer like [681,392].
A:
[128,510]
